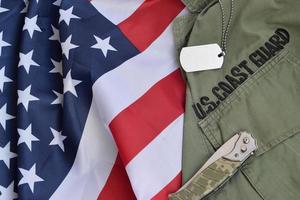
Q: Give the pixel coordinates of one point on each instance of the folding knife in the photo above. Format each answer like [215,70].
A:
[219,168]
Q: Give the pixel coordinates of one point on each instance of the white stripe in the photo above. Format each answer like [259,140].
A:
[158,163]
[94,160]
[116,10]
[119,88]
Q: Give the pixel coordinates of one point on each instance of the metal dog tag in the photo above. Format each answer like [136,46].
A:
[202,57]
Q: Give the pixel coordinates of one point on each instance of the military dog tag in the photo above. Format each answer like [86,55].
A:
[202,57]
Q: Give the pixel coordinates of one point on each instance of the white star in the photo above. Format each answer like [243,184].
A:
[57,67]
[2,9]
[3,79]
[67,46]
[58,139]
[69,84]
[31,26]
[59,98]
[3,43]
[55,35]
[4,116]
[8,193]
[26,61]
[103,45]
[27,137]
[67,15]
[30,177]
[6,155]
[37,1]
[25,97]
[26,2]
[57,3]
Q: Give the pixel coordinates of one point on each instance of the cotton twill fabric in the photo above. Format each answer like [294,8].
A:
[264,98]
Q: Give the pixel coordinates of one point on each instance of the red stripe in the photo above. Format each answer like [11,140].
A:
[149,21]
[118,185]
[156,109]
[172,187]
[142,121]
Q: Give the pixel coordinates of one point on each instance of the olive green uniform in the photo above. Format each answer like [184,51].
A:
[256,90]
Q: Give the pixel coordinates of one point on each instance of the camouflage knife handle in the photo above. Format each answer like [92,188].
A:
[219,169]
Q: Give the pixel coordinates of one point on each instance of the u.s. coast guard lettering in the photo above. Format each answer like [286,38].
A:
[240,73]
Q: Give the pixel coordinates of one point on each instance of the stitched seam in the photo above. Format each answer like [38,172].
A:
[216,143]
[289,146]
[204,142]
[279,139]
[250,181]
[210,137]
[293,59]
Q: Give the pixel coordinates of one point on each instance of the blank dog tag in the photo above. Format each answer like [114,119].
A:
[202,57]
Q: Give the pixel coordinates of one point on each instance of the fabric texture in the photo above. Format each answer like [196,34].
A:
[91,100]
[256,90]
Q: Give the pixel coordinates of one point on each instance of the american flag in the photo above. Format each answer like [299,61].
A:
[91,100]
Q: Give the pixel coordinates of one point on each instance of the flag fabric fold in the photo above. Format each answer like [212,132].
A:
[91,99]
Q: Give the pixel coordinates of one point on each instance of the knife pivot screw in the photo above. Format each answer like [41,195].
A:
[243,149]
[246,140]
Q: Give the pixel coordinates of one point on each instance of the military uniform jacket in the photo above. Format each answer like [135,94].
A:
[256,90]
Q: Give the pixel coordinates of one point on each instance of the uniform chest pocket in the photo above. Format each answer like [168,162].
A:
[267,105]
